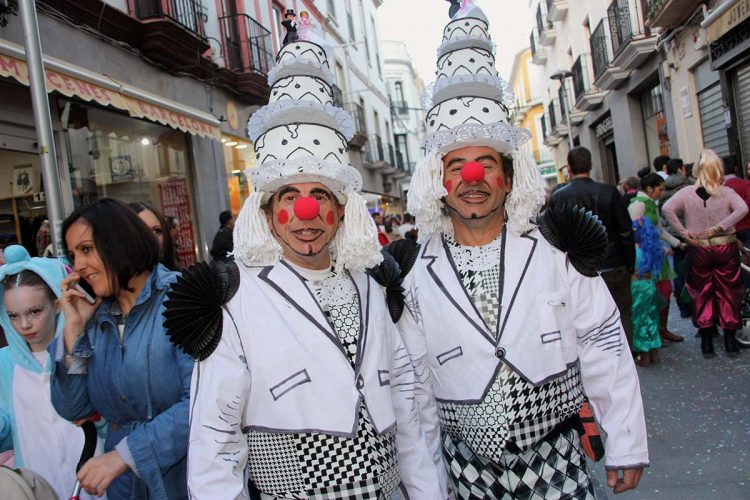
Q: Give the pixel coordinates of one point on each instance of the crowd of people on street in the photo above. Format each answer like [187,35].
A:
[677,231]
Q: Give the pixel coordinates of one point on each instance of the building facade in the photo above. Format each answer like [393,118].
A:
[405,88]
[528,85]
[612,102]
[149,102]
[705,49]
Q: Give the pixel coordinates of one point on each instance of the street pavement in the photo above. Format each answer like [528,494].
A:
[698,418]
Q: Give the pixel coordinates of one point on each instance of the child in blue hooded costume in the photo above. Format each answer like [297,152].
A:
[42,440]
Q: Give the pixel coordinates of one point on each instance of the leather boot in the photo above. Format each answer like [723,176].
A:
[730,343]
[666,334]
[654,355]
[707,342]
[642,359]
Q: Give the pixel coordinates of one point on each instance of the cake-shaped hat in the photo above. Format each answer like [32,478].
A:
[468,105]
[302,136]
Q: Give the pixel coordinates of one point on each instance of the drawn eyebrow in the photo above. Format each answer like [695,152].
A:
[287,189]
[327,194]
[456,160]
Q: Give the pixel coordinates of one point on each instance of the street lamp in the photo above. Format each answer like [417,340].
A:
[562,76]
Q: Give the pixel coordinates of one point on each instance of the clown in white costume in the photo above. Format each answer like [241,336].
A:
[42,440]
[303,386]
[505,316]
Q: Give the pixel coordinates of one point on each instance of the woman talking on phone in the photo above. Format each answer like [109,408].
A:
[115,358]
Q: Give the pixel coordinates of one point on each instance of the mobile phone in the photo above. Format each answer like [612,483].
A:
[84,287]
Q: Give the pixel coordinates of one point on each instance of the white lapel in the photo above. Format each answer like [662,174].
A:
[291,287]
[443,272]
[519,250]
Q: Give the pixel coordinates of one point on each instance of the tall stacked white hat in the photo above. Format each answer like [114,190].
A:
[468,105]
[302,136]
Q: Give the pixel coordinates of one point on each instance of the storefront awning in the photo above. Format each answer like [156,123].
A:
[725,17]
[73,81]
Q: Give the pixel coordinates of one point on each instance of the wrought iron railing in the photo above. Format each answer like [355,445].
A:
[599,50]
[247,44]
[188,13]
[338,96]
[563,103]
[400,107]
[581,83]
[620,27]
[358,115]
[552,115]
[374,152]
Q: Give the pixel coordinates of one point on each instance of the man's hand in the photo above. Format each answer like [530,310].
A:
[629,480]
[97,474]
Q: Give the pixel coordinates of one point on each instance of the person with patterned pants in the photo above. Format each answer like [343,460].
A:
[507,322]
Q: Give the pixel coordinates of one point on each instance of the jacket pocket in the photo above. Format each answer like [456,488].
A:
[454,353]
[291,382]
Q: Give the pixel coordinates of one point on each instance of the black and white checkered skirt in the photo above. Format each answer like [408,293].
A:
[553,469]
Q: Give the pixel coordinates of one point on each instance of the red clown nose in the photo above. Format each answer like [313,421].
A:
[472,172]
[306,208]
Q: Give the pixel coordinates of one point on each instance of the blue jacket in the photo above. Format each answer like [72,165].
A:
[140,385]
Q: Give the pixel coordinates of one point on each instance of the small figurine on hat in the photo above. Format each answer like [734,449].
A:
[290,25]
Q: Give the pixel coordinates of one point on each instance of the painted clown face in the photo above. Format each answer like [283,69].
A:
[304,219]
[477,185]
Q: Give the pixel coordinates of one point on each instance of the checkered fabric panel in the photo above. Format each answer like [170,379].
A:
[483,426]
[297,465]
[272,462]
[484,289]
[513,410]
[550,471]
[532,412]
[345,321]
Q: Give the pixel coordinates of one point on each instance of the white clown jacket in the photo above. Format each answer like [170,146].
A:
[551,317]
[280,368]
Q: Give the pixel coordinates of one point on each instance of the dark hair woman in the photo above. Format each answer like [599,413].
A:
[158,224]
[115,358]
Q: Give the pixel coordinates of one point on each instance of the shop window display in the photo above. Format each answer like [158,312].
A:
[114,155]
[239,156]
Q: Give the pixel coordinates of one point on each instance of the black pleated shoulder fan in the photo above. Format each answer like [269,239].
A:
[193,317]
[577,232]
[388,275]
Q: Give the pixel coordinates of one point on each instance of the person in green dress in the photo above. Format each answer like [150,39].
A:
[647,301]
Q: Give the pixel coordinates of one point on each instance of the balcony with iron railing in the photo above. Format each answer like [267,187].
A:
[172,32]
[186,13]
[544,26]
[606,75]
[375,153]
[561,121]
[632,43]
[538,53]
[359,139]
[557,10]
[338,96]
[247,48]
[586,96]
[668,14]
[400,107]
